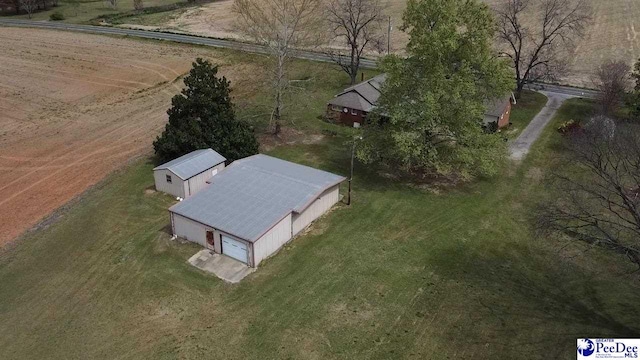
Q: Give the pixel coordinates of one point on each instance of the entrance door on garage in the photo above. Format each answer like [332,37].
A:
[210,241]
[234,248]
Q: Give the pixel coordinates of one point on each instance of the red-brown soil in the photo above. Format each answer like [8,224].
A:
[73,108]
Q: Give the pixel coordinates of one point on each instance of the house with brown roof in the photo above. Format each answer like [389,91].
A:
[498,111]
[353,104]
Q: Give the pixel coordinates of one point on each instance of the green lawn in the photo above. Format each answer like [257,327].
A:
[549,148]
[155,18]
[87,10]
[402,273]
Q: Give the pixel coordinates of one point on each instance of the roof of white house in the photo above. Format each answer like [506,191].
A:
[253,194]
[193,163]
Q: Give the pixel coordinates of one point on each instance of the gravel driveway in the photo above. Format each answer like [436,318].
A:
[519,148]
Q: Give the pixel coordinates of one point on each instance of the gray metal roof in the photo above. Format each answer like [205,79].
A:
[251,195]
[193,163]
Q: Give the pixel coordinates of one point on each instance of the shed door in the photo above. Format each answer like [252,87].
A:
[210,243]
[234,249]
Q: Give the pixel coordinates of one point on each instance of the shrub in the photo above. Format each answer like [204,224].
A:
[202,116]
[569,128]
[491,127]
[56,16]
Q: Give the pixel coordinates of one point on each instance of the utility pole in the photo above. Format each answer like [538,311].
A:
[389,37]
[353,154]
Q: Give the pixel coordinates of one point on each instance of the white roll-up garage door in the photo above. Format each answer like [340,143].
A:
[234,249]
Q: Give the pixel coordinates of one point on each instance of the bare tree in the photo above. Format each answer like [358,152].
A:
[358,25]
[138,5]
[112,3]
[282,26]
[29,6]
[598,193]
[538,35]
[613,79]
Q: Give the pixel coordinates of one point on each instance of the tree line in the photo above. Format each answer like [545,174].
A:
[31,6]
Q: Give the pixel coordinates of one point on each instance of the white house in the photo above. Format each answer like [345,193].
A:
[255,206]
[188,174]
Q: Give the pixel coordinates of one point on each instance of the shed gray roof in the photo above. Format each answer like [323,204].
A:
[253,194]
[193,163]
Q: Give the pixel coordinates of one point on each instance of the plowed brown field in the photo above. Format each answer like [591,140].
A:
[74,107]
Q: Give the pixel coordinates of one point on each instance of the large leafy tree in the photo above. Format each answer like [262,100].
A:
[202,116]
[431,108]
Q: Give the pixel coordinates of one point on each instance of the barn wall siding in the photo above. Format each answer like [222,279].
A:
[315,210]
[176,188]
[190,230]
[272,240]
[199,181]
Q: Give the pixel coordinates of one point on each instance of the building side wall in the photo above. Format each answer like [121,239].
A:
[190,230]
[176,188]
[199,181]
[346,118]
[272,240]
[316,209]
[504,119]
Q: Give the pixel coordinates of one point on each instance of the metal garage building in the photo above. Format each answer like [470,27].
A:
[255,206]
[188,174]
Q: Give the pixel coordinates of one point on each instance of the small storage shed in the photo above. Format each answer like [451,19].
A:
[188,174]
[255,206]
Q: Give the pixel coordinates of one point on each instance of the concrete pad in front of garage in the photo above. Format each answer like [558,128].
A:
[224,267]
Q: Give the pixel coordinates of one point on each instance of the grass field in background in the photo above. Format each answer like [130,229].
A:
[405,272]
[87,10]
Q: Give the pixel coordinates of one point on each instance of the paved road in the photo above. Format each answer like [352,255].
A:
[519,148]
[187,39]
[563,90]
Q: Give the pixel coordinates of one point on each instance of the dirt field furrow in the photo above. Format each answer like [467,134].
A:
[73,108]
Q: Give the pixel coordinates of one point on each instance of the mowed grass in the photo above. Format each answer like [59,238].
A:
[86,10]
[402,273]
